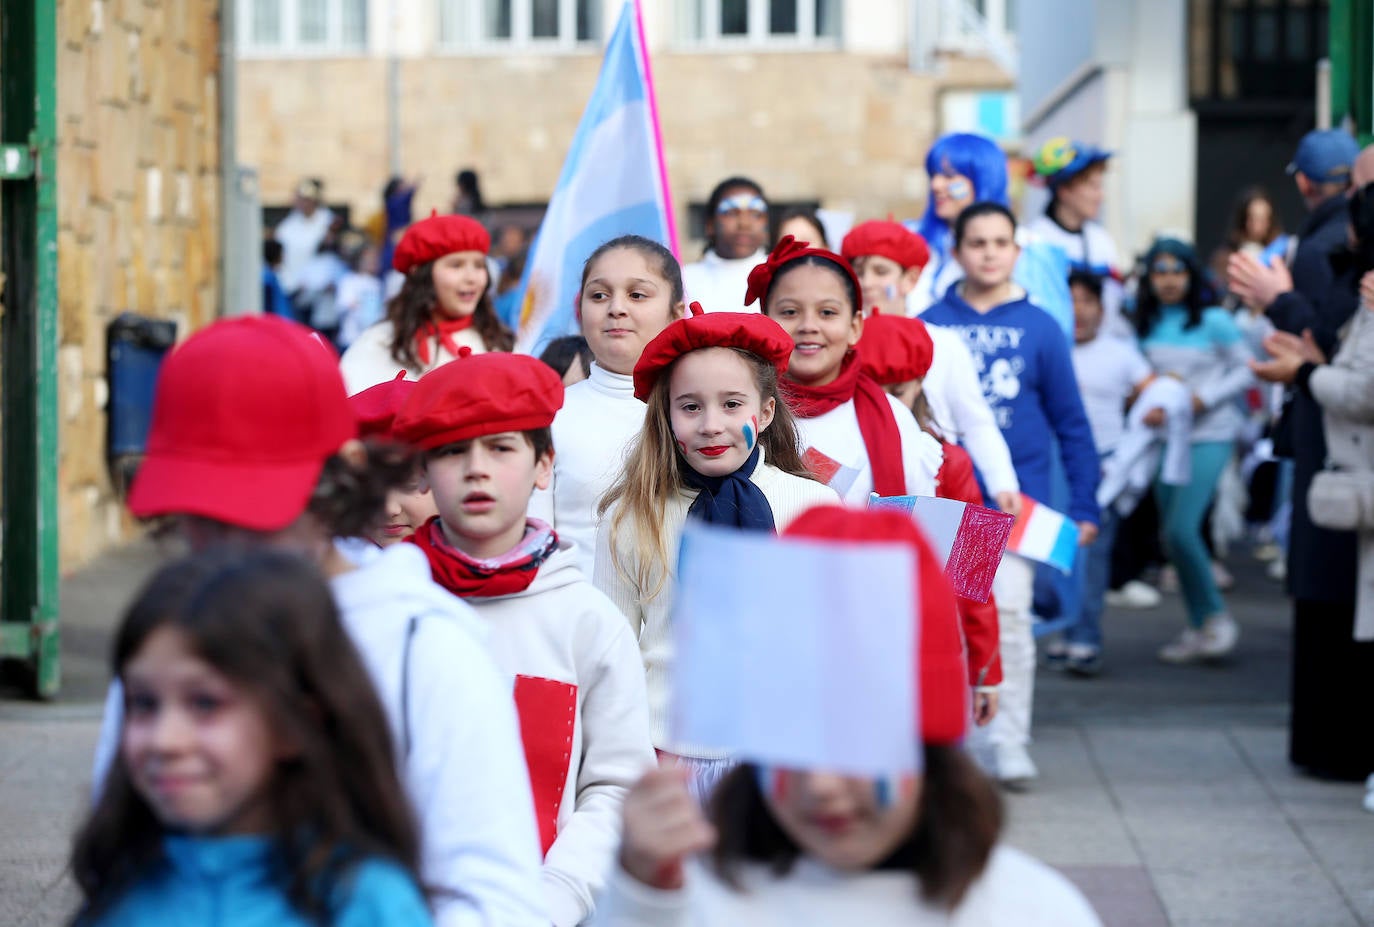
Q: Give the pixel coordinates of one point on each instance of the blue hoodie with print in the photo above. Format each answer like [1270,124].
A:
[1026,371]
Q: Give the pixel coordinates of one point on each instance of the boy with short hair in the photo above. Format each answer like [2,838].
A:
[888,259]
[482,422]
[1028,379]
[1111,373]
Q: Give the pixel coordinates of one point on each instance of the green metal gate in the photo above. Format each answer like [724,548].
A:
[28,339]
[1352,66]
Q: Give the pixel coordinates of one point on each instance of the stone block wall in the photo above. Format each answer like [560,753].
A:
[138,215]
[850,130]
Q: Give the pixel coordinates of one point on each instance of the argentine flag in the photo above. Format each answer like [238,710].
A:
[614,182]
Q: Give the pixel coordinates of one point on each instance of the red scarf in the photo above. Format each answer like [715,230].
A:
[470,578]
[877,424]
[444,330]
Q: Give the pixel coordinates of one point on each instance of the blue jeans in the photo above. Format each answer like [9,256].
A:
[1093,569]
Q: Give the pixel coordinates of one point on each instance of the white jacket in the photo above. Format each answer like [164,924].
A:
[1014,889]
[592,435]
[458,743]
[835,450]
[720,284]
[787,495]
[962,413]
[368,360]
[579,689]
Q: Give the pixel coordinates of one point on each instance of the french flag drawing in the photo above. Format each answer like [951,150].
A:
[614,182]
[969,538]
[1044,535]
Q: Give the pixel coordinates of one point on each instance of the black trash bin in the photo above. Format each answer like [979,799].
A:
[136,346]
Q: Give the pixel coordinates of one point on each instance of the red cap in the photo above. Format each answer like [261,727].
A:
[246,412]
[376,407]
[748,331]
[479,394]
[785,252]
[432,238]
[888,239]
[895,349]
[942,671]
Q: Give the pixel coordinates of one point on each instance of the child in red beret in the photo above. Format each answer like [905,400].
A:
[888,258]
[409,505]
[444,304]
[809,846]
[482,423]
[858,439]
[897,352]
[718,443]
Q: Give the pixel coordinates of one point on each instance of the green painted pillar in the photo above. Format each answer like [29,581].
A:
[28,338]
[1351,31]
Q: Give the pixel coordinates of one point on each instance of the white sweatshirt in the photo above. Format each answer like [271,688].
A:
[592,436]
[368,360]
[962,413]
[787,495]
[1014,889]
[464,770]
[720,284]
[835,450]
[579,689]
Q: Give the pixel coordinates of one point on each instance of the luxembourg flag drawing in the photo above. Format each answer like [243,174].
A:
[970,539]
[1044,535]
[614,182]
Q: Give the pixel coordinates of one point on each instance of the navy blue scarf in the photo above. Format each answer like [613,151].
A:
[731,500]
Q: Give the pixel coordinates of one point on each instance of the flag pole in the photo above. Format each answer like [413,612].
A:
[652,99]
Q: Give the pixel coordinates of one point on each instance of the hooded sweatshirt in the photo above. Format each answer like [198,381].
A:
[1027,375]
[454,726]
[579,689]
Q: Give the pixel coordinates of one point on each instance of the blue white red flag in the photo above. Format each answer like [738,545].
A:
[614,182]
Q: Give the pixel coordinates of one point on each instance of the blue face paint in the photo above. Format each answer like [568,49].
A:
[751,433]
[959,190]
[883,793]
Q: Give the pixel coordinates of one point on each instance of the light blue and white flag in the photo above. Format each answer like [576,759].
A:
[614,182]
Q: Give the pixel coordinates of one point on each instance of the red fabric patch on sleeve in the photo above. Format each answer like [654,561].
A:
[548,713]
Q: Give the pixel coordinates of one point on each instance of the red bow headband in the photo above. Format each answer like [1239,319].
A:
[788,251]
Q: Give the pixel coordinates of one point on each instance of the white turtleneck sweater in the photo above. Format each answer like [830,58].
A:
[788,496]
[719,284]
[592,436]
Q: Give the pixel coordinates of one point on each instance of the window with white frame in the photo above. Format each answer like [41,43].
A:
[502,24]
[759,22]
[286,27]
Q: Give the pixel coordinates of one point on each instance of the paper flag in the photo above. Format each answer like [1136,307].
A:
[796,653]
[830,471]
[970,539]
[1044,535]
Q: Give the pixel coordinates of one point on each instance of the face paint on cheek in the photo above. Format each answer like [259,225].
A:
[772,782]
[888,789]
[890,291]
[682,446]
[960,189]
[751,432]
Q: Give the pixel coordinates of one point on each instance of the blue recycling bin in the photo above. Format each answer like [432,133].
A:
[136,347]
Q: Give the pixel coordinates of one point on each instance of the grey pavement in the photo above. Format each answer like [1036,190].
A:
[1164,794]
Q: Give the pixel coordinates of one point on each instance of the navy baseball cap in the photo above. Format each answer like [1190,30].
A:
[1325,155]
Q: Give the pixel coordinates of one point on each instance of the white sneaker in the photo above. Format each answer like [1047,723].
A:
[1015,768]
[1219,635]
[1135,594]
[1186,648]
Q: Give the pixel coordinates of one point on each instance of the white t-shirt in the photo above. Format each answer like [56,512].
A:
[1109,370]
[720,284]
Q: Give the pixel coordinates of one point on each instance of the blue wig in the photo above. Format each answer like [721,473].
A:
[980,160]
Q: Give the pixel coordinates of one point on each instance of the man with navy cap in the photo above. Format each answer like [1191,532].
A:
[1321,168]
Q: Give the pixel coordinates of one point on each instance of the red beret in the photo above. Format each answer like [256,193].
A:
[748,331]
[785,252]
[479,394]
[376,407]
[891,240]
[432,238]
[942,671]
[895,349]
